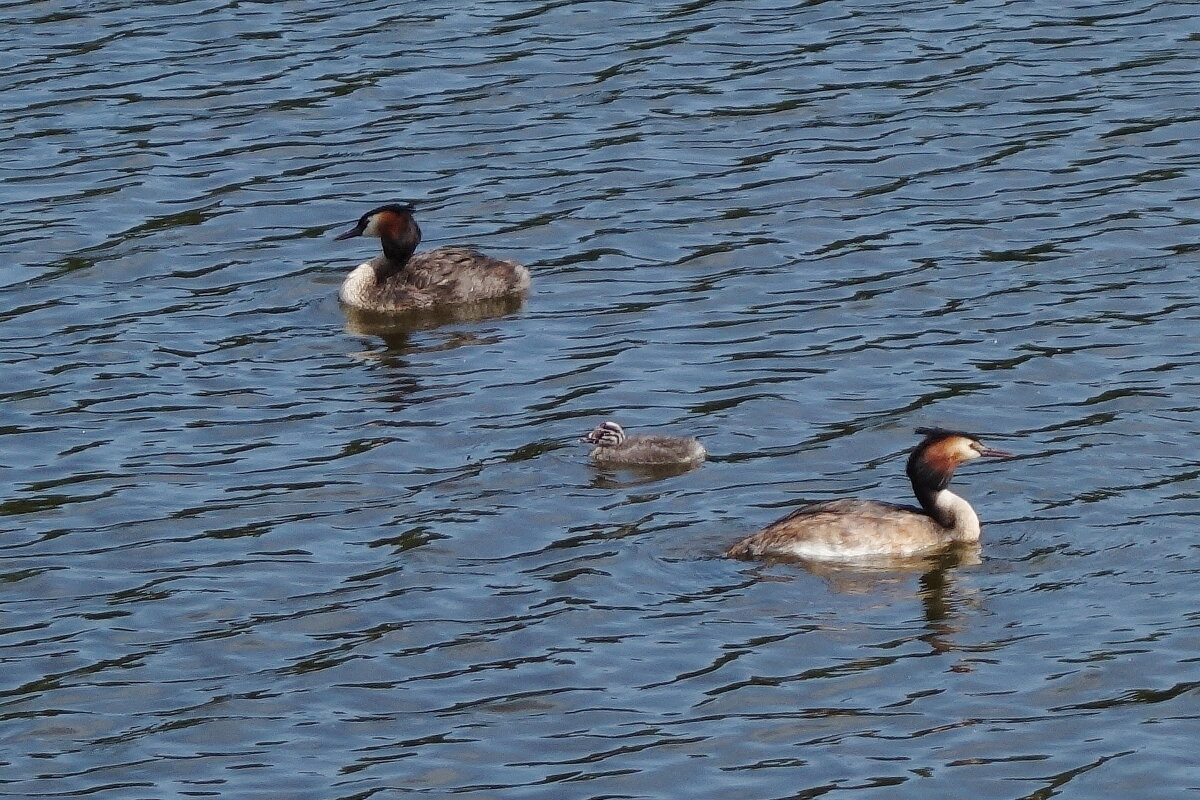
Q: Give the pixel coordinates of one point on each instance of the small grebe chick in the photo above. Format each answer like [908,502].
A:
[614,448]
[844,530]
[399,281]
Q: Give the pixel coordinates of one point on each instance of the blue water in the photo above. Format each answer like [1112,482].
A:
[254,546]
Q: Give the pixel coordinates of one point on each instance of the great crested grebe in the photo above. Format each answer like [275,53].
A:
[398,281]
[614,448]
[861,529]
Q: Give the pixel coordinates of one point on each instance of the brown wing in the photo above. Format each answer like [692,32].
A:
[398,296]
[458,274]
[838,510]
[846,526]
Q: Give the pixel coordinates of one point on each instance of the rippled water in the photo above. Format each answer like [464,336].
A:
[253,547]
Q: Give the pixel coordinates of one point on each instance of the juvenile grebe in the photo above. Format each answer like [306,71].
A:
[614,448]
[399,281]
[857,529]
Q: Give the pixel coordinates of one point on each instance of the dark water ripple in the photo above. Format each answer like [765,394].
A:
[252,547]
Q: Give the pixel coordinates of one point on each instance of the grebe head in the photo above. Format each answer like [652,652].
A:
[393,221]
[932,463]
[606,434]
[397,232]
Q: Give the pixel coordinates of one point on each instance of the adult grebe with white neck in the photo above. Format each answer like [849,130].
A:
[848,530]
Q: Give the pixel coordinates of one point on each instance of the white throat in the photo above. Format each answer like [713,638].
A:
[966,521]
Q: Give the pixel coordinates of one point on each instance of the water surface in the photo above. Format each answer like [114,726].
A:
[255,547]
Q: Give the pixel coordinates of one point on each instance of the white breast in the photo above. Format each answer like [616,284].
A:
[357,287]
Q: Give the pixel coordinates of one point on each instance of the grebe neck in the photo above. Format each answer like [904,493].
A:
[945,507]
[396,253]
[951,512]
[399,235]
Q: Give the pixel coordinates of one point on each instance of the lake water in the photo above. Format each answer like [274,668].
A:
[255,547]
